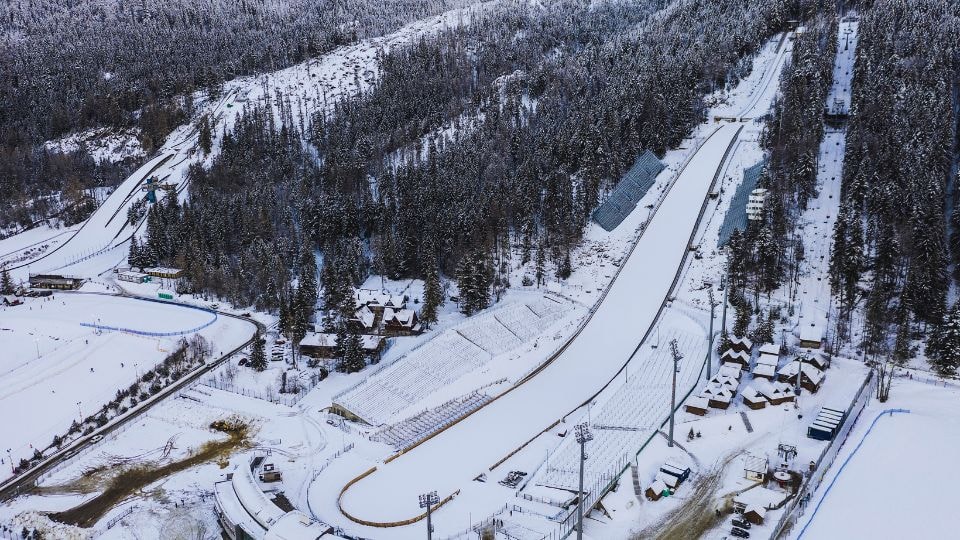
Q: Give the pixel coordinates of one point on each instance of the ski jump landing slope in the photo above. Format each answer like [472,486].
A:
[449,461]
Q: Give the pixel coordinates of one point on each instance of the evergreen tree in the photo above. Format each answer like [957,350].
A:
[474,278]
[258,355]
[205,138]
[432,297]
[135,256]
[6,284]
[943,347]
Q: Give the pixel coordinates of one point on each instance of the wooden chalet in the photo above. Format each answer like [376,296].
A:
[321,345]
[753,398]
[402,322]
[775,392]
[811,336]
[731,356]
[816,359]
[811,378]
[718,397]
[379,301]
[697,405]
[363,320]
[755,514]
[765,371]
[741,344]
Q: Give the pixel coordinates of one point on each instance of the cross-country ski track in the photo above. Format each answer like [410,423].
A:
[387,495]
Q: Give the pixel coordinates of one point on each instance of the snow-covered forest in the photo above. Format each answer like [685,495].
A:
[498,135]
[71,65]
[894,240]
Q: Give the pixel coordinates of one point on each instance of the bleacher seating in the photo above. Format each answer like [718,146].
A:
[628,192]
[631,413]
[416,428]
[736,217]
[447,357]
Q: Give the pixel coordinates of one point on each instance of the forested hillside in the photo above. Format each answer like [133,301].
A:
[496,136]
[68,65]
[891,236]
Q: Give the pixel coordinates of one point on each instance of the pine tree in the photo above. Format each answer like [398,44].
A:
[943,347]
[474,278]
[205,137]
[6,284]
[135,256]
[432,297]
[258,356]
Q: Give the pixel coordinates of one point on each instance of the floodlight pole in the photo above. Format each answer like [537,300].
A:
[583,435]
[713,308]
[675,353]
[428,500]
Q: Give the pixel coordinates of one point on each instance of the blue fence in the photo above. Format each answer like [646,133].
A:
[158,334]
[844,464]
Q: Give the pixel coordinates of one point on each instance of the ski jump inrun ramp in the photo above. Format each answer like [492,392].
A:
[449,461]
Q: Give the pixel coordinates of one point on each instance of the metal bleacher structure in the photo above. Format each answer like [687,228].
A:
[736,218]
[629,417]
[450,355]
[631,188]
[418,427]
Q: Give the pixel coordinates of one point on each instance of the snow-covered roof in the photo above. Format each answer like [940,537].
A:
[814,358]
[256,503]
[162,270]
[730,370]
[751,393]
[295,525]
[364,316]
[765,370]
[721,380]
[319,339]
[811,332]
[668,479]
[756,509]
[768,360]
[698,402]
[658,486]
[741,341]
[774,390]
[405,317]
[731,354]
[132,274]
[770,349]
[377,298]
[754,463]
[811,372]
[231,506]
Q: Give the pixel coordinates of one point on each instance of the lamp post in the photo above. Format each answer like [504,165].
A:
[713,307]
[675,353]
[428,501]
[583,436]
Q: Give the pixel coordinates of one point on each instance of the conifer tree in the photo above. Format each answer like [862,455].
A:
[432,297]
[943,347]
[205,139]
[6,284]
[258,356]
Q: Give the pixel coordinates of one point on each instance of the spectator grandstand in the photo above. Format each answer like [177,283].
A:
[445,359]
[628,192]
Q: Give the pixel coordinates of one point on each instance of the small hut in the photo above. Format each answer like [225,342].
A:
[753,399]
[731,356]
[697,405]
[755,514]
[656,490]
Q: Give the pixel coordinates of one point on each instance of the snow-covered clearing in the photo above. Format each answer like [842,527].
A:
[53,370]
[103,145]
[900,482]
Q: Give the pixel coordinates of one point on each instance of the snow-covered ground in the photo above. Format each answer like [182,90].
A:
[899,483]
[53,370]
[103,145]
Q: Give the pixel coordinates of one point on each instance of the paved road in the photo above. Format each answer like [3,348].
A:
[22,483]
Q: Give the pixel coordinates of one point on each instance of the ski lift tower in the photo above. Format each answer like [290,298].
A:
[151,187]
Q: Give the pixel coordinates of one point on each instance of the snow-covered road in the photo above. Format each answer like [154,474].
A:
[452,459]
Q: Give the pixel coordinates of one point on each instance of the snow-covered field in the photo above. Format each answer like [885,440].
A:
[53,370]
[899,483]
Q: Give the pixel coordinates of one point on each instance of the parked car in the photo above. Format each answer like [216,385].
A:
[739,533]
[245,314]
[742,523]
[96,438]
